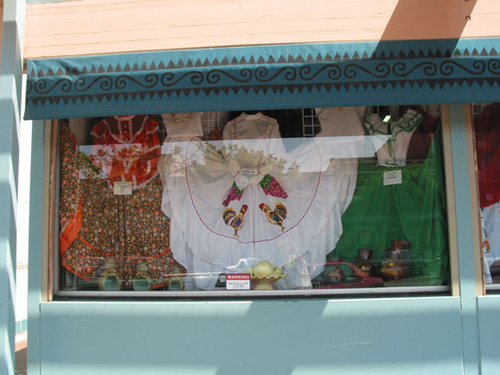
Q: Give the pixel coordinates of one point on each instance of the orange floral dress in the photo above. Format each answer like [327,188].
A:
[98,225]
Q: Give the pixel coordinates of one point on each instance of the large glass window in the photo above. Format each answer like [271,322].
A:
[295,201]
[487,141]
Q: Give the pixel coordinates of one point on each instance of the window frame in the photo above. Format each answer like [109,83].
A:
[54,293]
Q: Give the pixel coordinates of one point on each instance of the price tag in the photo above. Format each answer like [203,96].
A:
[122,188]
[393,177]
[238,281]
[249,172]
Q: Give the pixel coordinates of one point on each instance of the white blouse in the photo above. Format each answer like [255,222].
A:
[340,121]
[394,152]
[182,125]
[252,126]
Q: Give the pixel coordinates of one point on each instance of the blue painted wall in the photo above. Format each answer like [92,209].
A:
[35,247]
[10,94]
[489,329]
[403,335]
[389,336]
[412,335]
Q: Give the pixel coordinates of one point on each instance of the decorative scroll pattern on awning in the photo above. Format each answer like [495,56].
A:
[265,77]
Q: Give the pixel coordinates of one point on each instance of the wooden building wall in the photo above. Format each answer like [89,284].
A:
[86,27]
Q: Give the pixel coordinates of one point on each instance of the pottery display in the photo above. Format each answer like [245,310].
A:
[364,263]
[264,274]
[395,265]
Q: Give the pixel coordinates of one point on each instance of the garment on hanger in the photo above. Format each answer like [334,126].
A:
[98,225]
[487,138]
[490,222]
[340,121]
[126,148]
[413,210]
[394,152]
[248,197]
[182,126]
[252,126]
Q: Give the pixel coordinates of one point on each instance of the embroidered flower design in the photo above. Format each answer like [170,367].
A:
[269,185]
[272,187]
[235,194]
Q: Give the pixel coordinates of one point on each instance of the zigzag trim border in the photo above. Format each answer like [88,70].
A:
[268,90]
[416,66]
[281,55]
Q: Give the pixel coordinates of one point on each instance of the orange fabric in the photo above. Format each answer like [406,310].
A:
[97,225]
[70,231]
[127,148]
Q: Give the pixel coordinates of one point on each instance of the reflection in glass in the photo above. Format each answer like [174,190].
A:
[170,203]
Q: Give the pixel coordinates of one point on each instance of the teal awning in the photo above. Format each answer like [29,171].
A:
[265,77]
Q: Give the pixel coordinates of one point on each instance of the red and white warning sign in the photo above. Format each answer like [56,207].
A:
[238,281]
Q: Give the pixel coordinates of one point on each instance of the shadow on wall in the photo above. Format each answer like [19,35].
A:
[278,337]
[446,18]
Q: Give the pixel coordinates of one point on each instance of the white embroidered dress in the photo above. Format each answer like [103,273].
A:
[208,183]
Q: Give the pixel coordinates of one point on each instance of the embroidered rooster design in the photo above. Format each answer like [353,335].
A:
[276,216]
[233,219]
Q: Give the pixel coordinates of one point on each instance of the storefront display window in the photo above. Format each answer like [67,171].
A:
[487,137]
[303,201]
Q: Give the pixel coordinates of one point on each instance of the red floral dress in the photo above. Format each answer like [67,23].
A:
[126,148]
[487,137]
